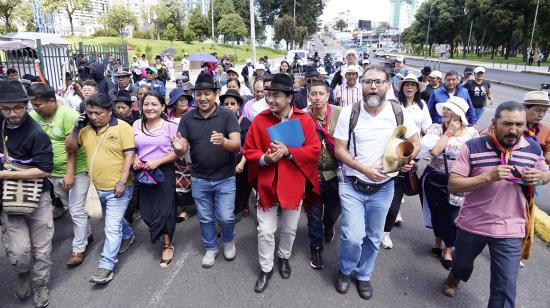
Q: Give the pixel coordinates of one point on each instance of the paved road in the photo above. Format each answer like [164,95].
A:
[510,77]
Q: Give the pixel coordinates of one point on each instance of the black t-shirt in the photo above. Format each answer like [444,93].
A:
[209,161]
[425,95]
[478,92]
[28,145]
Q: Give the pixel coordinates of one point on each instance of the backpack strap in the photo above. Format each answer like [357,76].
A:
[397,111]
[353,118]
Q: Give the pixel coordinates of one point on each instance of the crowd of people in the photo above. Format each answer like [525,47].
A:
[350,152]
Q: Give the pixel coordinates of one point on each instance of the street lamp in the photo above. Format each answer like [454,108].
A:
[252,32]
[533,32]
[213,36]
[428,32]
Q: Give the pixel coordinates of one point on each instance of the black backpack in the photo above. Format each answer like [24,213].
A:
[354,117]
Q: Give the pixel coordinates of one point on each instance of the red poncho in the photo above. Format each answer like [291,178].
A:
[286,182]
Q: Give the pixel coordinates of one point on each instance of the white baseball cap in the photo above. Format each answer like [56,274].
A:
[479,69]
[436,74]
[352,69]
[260,67]
[399,59]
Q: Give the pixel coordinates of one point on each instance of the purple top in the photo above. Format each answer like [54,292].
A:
[156,143]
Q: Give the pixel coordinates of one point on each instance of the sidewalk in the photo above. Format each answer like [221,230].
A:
[522,68]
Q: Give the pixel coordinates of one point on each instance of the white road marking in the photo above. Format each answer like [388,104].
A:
[156,299]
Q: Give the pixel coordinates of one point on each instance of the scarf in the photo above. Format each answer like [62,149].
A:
[529,191]
[532,132]
[324,130]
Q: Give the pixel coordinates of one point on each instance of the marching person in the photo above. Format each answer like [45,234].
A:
[152,81]
[110,146]
[479,90]
[434,82]
[509,166]
[442,94]
[325,212]
[278,173]
[409,97]
[154,168]
[70,173]
[364,211]
[349,92]
[28,155]
[123,107]
[124,82]
[444,141]
[213,135]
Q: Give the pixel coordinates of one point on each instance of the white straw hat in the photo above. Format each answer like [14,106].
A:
[411,78]
[457,105]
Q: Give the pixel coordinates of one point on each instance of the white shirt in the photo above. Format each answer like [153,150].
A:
[421,117]
[244,91]
[371,136]
[258,107]
[185,64]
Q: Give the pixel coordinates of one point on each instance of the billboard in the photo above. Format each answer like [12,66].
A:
[365,25]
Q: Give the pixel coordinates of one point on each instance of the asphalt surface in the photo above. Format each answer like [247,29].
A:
[528,80]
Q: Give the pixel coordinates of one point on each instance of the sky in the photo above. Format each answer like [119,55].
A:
[374,10]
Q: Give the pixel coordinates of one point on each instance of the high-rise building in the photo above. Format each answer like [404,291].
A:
[402,12]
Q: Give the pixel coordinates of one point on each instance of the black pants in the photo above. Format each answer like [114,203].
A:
[133,205]
[243,191]
[324,213]
[395,203]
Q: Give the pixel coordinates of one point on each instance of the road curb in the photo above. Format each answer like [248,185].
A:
[513,85]
[542,225]
[537,73]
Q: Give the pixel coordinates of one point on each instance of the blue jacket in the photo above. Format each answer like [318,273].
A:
[156,85]
[440,95]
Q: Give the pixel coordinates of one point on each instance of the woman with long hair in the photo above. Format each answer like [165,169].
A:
[155,174]
[409,97]
[444,142]
[284,68]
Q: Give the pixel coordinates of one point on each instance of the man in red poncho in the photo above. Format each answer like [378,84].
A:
[282,176]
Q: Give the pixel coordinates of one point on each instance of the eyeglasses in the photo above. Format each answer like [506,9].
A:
[16,109]
[377,82]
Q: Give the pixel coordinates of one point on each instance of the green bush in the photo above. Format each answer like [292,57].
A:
[104,32]
[147,35]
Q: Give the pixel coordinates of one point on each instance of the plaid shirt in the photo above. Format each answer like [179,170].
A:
[346,95]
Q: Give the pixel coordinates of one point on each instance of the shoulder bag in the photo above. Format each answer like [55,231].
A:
[93,204]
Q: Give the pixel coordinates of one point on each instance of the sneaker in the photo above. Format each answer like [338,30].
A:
[521,264]
[22,285]
[210,258]
[398,219]
[102,276]
[386,241]
[229,251]
[316,259]
[41,294]
[125,244]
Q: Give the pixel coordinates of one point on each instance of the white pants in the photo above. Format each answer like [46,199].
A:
[267,226]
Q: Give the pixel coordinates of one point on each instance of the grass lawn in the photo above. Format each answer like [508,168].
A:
[238,53]
[486,58]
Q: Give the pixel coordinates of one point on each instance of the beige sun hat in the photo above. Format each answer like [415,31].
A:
[398,152]
[411,78]
[458,105]
[436,74]
[536,98]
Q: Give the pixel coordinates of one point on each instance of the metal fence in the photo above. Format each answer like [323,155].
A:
[56,60]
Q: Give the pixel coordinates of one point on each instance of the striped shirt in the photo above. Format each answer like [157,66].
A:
[346,95]
[496,209]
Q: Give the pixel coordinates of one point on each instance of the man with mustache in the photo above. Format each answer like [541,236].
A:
[365,192]
[442,94]
[508,166]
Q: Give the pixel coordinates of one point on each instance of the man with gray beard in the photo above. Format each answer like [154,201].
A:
[361,134]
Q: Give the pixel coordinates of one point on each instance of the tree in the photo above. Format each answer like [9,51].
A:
[222,8]
[232,26]
[284,29]
[166,12]
[170,33]
[307,12]
[117,19]
[340,25]
[7,10]
[199,24]
[188,35]
[69,6]
[25,17]
[242,7]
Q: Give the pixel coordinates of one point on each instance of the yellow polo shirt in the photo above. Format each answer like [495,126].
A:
[107,166]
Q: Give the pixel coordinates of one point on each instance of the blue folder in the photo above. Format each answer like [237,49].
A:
[288,133]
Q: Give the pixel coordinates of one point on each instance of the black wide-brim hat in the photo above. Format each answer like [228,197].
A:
[124,72]
[234,94]
[281,82]
[205,82]
[123,96]
[12,91]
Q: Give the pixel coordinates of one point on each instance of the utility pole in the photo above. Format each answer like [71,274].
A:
[294,43]
[469,37]
[213,36]
[428,32]
[533,32]
[252,32]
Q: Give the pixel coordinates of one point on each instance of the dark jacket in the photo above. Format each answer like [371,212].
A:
[97,74]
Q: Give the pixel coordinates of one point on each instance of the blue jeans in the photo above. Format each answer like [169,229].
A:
[324,213]
[363,218]
[117,229]
[505,256]
[215,201]
[479,112]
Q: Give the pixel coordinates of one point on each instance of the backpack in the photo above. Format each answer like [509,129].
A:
[354,117]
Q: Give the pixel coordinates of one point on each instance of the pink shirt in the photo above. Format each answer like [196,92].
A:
[154,144]
[497,209]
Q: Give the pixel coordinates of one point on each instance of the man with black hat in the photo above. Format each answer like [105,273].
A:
[152,81]
[468,71]
[27,215]
[276,172]
[425,72]
[70,173]
[213,135]
[124,82]
[123,107]
[300,98]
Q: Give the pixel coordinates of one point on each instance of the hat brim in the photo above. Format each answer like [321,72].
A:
[421,86]
[285,90]
[201,87]
[453,108]
[125,74]
[173,100]
[539,103]
[239,99]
